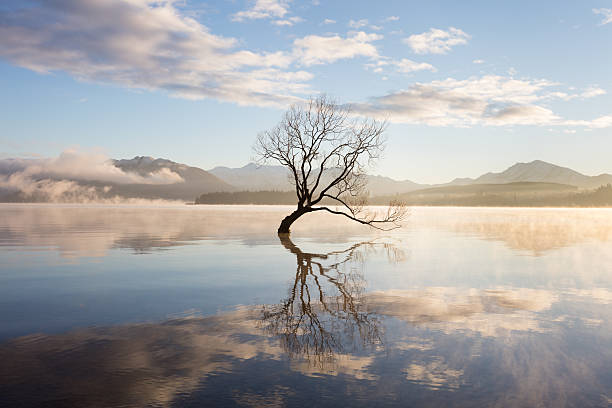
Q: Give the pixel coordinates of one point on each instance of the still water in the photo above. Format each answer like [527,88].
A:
[206,306]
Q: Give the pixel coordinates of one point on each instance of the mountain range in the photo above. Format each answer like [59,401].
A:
[255,178]
[539,171]
[195,180]
[150,178]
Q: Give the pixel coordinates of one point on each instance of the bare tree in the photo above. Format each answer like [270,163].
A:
[327,152]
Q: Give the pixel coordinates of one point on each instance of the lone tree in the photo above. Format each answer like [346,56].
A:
[327,151]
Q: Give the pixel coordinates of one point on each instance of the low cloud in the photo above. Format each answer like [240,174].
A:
[436,41]
[75,165]
[489,100]
[62,179]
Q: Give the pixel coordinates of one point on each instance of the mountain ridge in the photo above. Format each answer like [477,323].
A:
[158,178]
[539,171]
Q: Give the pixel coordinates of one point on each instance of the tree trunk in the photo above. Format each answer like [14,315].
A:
[290,219]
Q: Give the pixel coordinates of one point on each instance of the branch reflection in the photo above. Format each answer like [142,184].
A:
[325,312]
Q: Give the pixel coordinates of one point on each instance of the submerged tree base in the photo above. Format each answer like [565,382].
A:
[289,220]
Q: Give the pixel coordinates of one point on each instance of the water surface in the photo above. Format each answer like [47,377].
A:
[204,306]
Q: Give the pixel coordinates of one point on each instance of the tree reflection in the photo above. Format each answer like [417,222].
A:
[325,312]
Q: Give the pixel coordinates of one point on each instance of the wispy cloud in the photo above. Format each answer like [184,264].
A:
[606,13]
[357,24]
[392,18]
[288,21]
[261,9]
[478,61]
[275,10]
[403,65]
[436,41]
[146,44]
[490,100]
[329,21]
[592,92]
[315,49]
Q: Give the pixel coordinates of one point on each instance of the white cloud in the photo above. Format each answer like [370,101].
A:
[478,61]
[314,49]
[606,13]
[436,41]
[145,44]
[592,92]
[403,66]
[288,21]
[276,10]
[392,18]
[490,100]
[263,9]
[358,24]
[601,122]
[329,21]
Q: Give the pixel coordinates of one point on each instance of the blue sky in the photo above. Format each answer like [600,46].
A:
[468,87]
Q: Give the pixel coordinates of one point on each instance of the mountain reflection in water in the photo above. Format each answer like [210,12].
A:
[330,341]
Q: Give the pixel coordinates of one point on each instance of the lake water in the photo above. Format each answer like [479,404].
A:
[206,306]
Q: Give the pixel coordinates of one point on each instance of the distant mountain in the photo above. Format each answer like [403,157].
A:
[255,178]
[73,177]
[539,171]
[380,186]
[196,181]
[258,178]
[70,178]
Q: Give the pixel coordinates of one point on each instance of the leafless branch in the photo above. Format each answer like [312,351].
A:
[327,152]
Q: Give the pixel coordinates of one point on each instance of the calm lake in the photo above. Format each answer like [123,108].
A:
[206,306]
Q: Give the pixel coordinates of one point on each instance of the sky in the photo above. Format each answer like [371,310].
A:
[467,87]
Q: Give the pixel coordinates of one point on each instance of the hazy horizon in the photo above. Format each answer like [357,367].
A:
[99,166]
[466,89]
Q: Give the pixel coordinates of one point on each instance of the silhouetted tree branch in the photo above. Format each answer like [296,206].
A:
[327,152]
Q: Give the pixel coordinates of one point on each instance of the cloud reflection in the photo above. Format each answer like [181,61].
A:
[506,346]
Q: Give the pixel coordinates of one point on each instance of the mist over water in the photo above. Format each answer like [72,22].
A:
[205,305]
